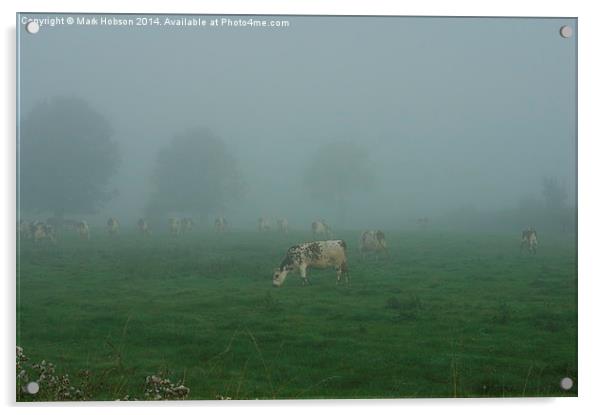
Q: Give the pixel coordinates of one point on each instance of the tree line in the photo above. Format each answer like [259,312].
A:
[68,155]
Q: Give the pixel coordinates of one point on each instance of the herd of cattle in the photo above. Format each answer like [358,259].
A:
[323,252]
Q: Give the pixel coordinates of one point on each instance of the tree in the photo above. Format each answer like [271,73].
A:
[66,158]
[337,170]
[195,172]
[554,194]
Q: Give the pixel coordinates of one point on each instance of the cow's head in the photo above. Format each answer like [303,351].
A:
[279,276]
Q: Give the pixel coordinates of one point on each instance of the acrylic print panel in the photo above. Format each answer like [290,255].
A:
[292,207]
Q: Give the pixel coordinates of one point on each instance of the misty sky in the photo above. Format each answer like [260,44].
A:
[452,111]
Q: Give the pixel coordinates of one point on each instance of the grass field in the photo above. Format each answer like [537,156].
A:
[449,315]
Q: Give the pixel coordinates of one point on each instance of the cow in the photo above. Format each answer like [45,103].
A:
[143,227]
[316,254]
[220,224]
[320,228]
[187,224]
[282,225]
[83,230]
[175,226]
[112,226]
[529,240]
[373,241]
[43,231]
[263,225]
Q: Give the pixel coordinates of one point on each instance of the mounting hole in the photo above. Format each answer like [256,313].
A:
[32,388]
[566,383]
[566,31]
[32,27]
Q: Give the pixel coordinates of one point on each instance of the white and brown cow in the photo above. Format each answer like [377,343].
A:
[317,254]
[143,227]
[319,228]
[373,241]
[263,225]
[112,226]
[529,240]
[43,231]
[175,226]
[282,225]
[83,230]
[220,224]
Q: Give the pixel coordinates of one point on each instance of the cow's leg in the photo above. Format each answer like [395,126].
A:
[345,271]
[303,272]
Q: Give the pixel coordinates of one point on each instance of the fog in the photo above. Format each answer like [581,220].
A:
[452,114]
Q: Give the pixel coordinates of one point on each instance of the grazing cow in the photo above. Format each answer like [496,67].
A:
[529,240]
[263,225]
[42,231]
[113,226]
[83,230]
[317,254]
[143,227]
[187,224]
[320,228]
[283,225]
[220,224]
[373,241]
[175,226]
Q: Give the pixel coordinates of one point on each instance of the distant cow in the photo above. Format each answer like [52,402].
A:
[113,226]
[186,224]
[319,228]
[317,254]
[175,226]
[143,227]
[220,224]
[263,225]
[529,240]
[43,231]
[373,241]
[282,225]
[83,230]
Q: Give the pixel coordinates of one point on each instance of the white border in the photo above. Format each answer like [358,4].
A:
[590,189]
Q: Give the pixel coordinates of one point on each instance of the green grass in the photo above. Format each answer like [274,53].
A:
[449,315]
